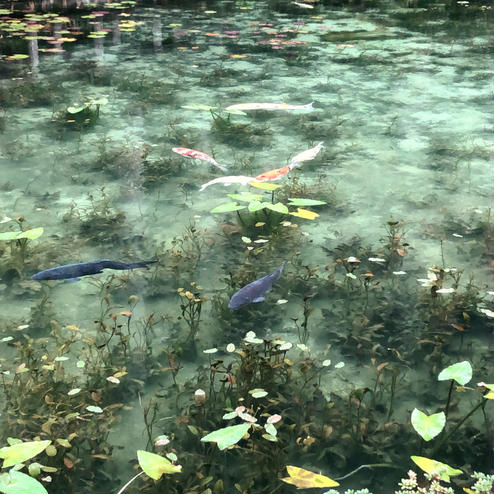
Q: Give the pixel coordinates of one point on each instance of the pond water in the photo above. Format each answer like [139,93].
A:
[386,231]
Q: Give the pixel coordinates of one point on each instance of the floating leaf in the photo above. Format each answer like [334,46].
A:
[264,185]
[18,453]
[270,429]
[227,207]
[305,479]
[155,465]
[305,213]
[230,415]
[8,235]
[75,109]
[339,365]
[18,56]
[436,467]
[246,196]
[256,206]
[247,240]
[428,426]
[258,393]
[227,436]
[32,234]
[74,391]
[270,437]
[460,372]
[15,482]
[298,201]
[278,207]
[94,409]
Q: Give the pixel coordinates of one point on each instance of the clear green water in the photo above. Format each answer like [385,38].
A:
[402,100]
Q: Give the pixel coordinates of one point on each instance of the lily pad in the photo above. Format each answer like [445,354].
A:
[264,185]
[15,482]
[298,201]
[21,452]
[227,436]
[305,479]
[256,206]
[460,372]
[155,465]
[428,426]
[305,213]
[432,466]
[32,234]
[278,207]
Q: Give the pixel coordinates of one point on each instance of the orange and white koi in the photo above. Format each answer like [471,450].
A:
[199,155]
[275,174]
[234,179]
[308,155]
[269,106]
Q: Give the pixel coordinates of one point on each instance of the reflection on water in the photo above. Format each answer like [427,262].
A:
[386,231]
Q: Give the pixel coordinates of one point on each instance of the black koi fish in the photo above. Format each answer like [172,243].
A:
[255,291]
[74,271]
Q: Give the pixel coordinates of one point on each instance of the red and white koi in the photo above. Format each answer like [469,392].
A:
[269,106]
[234,179]
[308,155]
[275,174]
[199,155]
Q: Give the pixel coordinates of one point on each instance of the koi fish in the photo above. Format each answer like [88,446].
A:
[276,173]
[234,179]
[73,271]
[199,155]
[304,5]
[308,155]
[269,106]
[255,291]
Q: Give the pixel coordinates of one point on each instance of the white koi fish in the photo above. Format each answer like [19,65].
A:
[234,179]
[308,155]
[269,106]
[199,155]
[304,5]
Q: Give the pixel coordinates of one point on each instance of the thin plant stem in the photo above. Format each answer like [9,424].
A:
[129,482]
[449,398]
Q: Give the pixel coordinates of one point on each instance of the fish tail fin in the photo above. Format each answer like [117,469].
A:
[140,264]
[203,186]
[294,164]
[310,106]
[223,168]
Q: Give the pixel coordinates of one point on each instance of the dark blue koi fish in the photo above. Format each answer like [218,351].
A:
[75,271]
[255,291]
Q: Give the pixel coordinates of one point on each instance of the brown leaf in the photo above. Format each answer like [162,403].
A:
[68,463]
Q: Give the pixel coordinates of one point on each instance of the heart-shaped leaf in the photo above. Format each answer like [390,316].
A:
[155,465]
[228,436]
[460,372]
[21,452]
[256,206]
[278,207]
[15,482]
[428,426]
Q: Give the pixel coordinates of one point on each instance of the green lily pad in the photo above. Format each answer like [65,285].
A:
[256,206]
[14,482]
[18,56]
[155,465]
[298,201]
[227,207]
[21,452]
[227,436]
[428,426]
[8,235]
[75,109]
[258,393]
[460,372]
[278,207]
